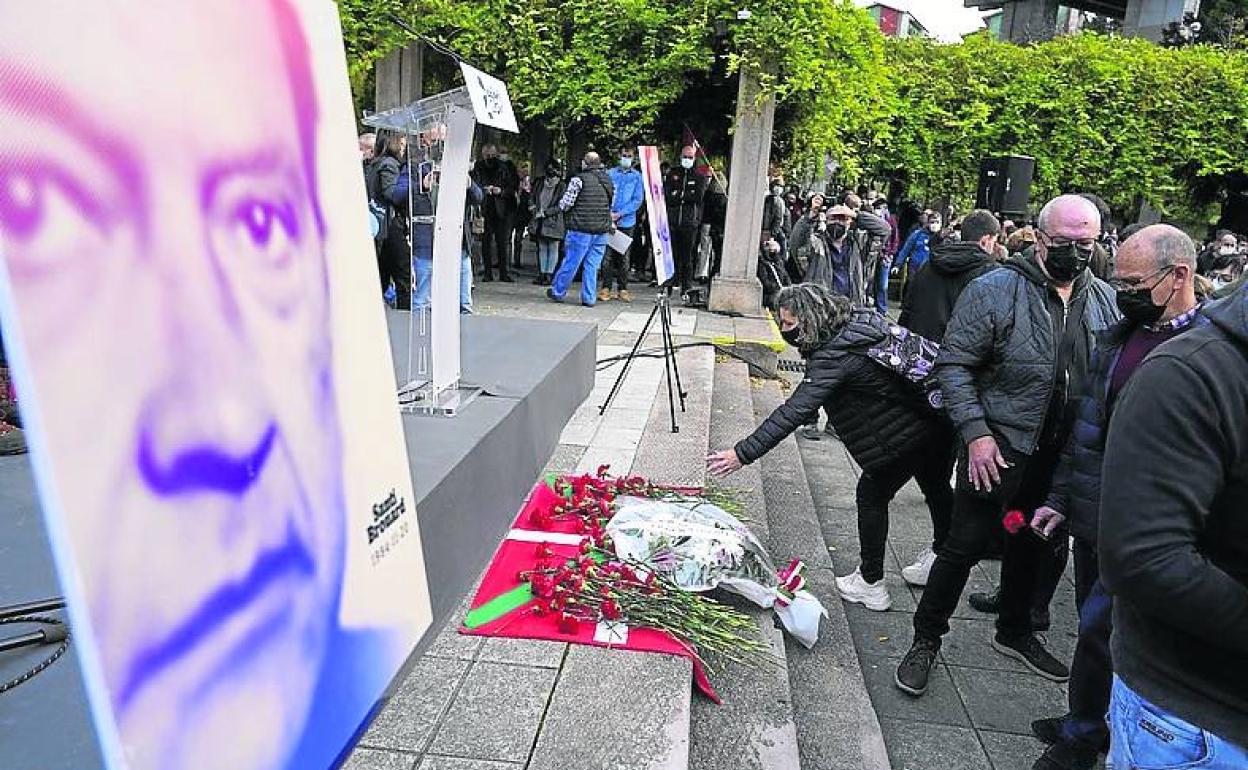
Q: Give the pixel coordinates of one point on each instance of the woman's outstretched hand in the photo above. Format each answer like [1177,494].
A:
[721,464]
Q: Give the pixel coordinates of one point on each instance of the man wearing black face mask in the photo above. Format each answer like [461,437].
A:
[1016,346]
[1157,296]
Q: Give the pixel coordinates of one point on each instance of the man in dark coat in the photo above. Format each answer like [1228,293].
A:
[935,289]
[685,191]
[499,180]
[1018,341]
[1157,296]
[1173,548]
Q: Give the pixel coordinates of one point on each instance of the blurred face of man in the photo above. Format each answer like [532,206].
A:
[368,143]
[489,153]
[174,307]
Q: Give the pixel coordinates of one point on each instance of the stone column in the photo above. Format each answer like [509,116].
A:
[736,289]
[400,77]
[1025,21]
[1148,18]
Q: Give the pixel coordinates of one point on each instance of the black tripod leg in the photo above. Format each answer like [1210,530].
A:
[628,362]
[670,344]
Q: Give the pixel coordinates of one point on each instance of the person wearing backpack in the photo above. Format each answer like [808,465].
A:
[394,255]
[872,377]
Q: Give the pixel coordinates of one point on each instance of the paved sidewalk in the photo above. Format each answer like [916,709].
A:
[479,704]
[978,711]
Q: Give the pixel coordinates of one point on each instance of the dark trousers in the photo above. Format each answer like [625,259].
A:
[495,244]
[394,260]
[684,252]
[615,266]
[976,519]
[930,469]
[1091,670]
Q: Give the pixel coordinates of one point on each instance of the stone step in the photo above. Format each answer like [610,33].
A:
[753,729]
[614,710]
[837,726]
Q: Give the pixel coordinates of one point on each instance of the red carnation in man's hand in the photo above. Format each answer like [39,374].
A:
[1014,522]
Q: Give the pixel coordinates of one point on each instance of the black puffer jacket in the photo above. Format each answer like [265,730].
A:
[877,414]
[998,364]
[935,289]
[1076,490]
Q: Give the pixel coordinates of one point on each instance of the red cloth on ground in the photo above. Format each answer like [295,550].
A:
[515,556]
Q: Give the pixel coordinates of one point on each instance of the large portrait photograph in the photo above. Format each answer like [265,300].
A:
[188,300]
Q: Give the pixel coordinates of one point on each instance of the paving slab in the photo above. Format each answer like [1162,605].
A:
[379,759]
[924,746]
[496,713]
[542,653]
[941,704]
[1007,702]
[409,719]
[435,762]
[880,634]
[607,714]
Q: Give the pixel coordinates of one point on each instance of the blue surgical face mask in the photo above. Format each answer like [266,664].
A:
[626,162]
[686,162]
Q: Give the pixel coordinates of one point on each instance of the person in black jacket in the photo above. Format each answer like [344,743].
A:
[394,257]
[1155,281]
[1173,545]
[885,424]
[935,289]
[685,191]
[1017,344]
[499,180]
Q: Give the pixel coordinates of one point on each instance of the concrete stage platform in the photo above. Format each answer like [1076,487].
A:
[470,474]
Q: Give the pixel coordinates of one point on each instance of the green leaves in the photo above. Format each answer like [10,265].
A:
[1124,118]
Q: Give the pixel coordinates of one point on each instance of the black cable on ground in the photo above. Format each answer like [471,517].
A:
[60,650]
[607,363]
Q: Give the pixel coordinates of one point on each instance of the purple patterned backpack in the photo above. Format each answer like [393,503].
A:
[914,358]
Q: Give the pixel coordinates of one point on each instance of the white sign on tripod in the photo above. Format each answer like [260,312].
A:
[656,209]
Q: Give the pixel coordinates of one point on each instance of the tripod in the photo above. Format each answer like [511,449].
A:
[663,311]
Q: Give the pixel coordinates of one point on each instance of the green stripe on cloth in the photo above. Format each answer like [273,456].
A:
[499,606]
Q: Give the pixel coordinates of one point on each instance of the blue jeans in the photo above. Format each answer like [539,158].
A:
[547,255]
[581,247]
[1144,736]
[424,281]
[881,286]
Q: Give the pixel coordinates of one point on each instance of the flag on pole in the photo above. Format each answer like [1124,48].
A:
[702,165]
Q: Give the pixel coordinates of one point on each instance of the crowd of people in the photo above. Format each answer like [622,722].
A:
[567,217]
[1015,347]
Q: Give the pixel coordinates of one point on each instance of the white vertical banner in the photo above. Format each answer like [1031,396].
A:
[656,209]
[448,245]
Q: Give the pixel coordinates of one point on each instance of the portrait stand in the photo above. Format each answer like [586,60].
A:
[663,311]
[439,131]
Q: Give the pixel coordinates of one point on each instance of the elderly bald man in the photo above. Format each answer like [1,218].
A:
[1154,281]
[587,215]
[1016,346]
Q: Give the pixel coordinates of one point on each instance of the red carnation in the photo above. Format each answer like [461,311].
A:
[541,586]
[544,551]
[1014,522]
[569,624]
[611,610]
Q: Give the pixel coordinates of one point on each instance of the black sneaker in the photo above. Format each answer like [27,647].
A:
[991,604]
[913,671]
[506,278]
[985,602]
[550,295]
[1049,731]
[1031,652]
[1066,756]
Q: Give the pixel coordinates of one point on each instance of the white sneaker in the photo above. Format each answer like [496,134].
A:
[916,574]
[873,596]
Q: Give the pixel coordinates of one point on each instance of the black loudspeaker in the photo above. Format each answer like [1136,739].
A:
[1005,184]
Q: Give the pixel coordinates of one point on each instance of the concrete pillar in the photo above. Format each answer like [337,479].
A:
[1025,21]
[1148,18]
[400,77]
[736,289]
